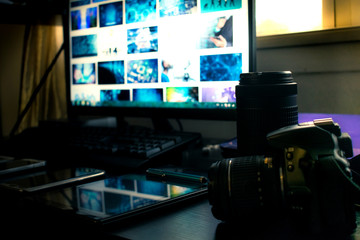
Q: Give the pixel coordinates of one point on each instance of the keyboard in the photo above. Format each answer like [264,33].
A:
[129,147]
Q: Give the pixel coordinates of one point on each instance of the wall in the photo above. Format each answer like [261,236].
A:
[325,64]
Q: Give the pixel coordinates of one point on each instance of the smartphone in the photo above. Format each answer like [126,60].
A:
[9,165]
[49,179]
[114,199]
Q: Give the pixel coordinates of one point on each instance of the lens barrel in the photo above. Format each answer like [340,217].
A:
[244,188]
[265,101]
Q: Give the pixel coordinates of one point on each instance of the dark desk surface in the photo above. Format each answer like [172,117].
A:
[195,221]
[192,220]
[188,222]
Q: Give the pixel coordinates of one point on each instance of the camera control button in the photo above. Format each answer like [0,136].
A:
[289,155]
[290,168]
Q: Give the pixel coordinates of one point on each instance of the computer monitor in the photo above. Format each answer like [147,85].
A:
[158,58]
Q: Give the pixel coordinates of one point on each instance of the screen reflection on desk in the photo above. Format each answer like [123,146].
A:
[122,194]
[113,198]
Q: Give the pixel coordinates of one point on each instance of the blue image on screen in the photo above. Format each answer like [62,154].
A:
[219,94]
[90,199]
[152,188]
[141,202]
[148,95]
[223,67]
[114,95]
[142,71]
[84,46]
[76,20]
[177,7]
[84,73]
[214,6]
[142,40]
[111,72]
[79,21]
[182,94]
[140,11]
[79,3]
[111,14]
[116,203]
[120,183]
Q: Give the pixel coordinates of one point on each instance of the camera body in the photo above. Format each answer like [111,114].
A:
[305,176]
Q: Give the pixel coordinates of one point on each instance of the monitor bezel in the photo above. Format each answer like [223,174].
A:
[228,114]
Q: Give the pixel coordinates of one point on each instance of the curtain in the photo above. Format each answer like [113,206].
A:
[43,42]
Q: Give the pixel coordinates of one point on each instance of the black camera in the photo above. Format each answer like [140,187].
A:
[282,168]
[307,176]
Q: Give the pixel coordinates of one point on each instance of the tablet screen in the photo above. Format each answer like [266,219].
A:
[116,198]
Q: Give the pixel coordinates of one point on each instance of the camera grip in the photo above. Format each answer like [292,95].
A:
[336,206]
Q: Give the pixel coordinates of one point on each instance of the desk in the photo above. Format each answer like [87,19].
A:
[196,222]
[192,220]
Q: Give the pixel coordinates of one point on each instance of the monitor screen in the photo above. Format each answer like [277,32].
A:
[168,58]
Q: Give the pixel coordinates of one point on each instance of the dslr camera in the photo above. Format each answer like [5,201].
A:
[302,173]
[306,177]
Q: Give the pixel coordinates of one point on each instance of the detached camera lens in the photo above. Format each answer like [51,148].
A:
[265,101]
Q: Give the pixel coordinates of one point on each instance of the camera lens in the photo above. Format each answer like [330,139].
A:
[244,188]
[265,101]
